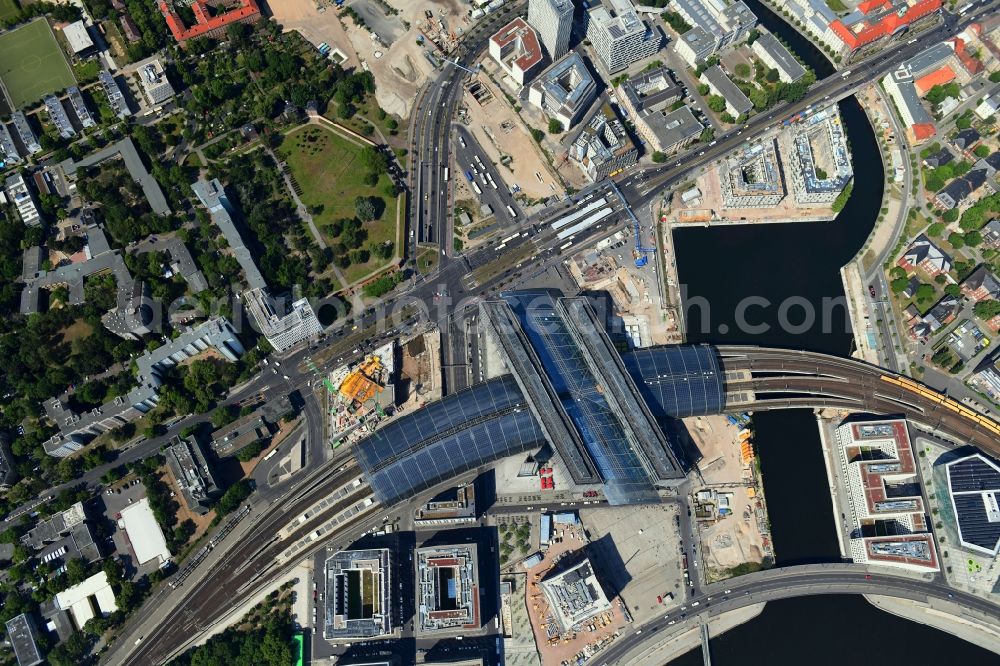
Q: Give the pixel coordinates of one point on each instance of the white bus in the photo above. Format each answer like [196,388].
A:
[475,186]
[511,212]
[446,174]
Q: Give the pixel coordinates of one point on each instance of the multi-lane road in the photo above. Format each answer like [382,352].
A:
[257,550]
[797,581]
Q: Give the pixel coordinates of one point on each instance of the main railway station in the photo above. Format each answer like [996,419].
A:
[607,415]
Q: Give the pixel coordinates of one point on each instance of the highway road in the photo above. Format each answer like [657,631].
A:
[256,552]
[431,220]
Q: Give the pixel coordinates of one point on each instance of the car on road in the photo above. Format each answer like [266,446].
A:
[871,290]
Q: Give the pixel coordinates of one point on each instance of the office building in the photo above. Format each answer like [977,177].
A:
[209,21]
[284,326]
[720,84]
[515,47]
[155,85]
[191,470]
[974,486]
[23,199]
[619,36]
[447,589]
[114,94]
[454,506]
[604,148]
[8,150]
[144,533]
[80,107]
[229,440]
[818,159]
[21,633]
[888,522]
[564,90]
[359,595]
[669,131]
[574,596]
[64,535]
[714,26]
[774,54]
[647,99]
[553,20]
[25,133]
[752,178]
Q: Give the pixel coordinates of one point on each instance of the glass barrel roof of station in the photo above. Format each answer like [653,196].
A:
[678,380]
[453,435]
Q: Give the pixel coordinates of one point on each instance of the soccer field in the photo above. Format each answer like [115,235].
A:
[31,64]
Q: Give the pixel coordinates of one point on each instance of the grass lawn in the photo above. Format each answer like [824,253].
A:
[326,168]
[8,9]
[31,63]
[427,260]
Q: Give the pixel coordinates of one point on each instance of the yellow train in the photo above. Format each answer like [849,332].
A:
[943,400]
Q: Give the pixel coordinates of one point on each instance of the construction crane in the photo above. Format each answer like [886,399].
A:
[640,252]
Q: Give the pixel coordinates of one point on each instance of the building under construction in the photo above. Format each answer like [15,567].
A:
[363,383]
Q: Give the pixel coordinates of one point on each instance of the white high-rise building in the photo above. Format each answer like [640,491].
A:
[619,36]
[553,20]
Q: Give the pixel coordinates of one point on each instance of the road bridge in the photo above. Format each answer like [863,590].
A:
[798,581]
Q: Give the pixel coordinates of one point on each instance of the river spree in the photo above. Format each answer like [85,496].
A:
[786,269]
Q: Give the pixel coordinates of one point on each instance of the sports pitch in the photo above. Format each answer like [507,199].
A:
[31,64]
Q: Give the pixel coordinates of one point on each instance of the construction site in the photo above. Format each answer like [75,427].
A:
[791,174]
[611,265]
[728,503]
[359,396]
[505,137]
[572,617]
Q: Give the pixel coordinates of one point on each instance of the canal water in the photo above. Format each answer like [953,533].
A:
[756,285]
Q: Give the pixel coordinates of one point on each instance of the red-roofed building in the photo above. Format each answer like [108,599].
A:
[516,47]
[971,65]
[876,19]
[923,131]
[207,25]
[938,77]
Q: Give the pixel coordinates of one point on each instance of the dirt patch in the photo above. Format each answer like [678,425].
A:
[504,136]
[78,330]
[731,510]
